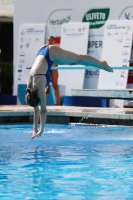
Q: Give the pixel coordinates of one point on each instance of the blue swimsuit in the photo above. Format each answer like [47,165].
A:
[45,52]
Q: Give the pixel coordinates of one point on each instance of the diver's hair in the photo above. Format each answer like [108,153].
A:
[32,98]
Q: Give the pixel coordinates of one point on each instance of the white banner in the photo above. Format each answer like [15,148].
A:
[31,38]
[116,51]
[74,37]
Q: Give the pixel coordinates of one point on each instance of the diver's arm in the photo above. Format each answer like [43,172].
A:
[35,123]
[43,116]
[43,113]
[36,118]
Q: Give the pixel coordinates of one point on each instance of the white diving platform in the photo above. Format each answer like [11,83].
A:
[111,94]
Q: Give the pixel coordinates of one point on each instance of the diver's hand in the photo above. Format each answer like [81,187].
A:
[106,66]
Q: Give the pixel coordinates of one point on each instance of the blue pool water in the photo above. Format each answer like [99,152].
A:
[67,162]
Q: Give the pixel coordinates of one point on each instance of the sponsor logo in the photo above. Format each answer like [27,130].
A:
[124,33]
[27,39]
[109,34]
[119,40]
[125,60]
[74,34]
[19,77]
[60,21]
[116,33]
[91,73]
[128,16]
[89,51]
[128,28]
[96,17]
[22,32]
[37,39]
[124,65]
[33,31]
[21,61]
[96,44]
[126,46]
[119,83]
[20,66]
[22,39]
[122,74]
[125,53]
[115,26]
[21,46]
[27,45]
[64,30]
[127,39]
[80,31]
[127,13]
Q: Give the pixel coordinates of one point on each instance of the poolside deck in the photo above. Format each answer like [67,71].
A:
[69,114]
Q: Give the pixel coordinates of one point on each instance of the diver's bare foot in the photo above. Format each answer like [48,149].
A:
[38,134]
[33,136]
[107,67]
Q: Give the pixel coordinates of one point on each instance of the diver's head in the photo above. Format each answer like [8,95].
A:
[32,98]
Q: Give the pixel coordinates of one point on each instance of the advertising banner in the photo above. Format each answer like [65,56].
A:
[117,45]
[31,38]
[74,37]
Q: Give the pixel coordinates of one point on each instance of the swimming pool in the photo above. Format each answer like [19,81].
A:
[68,162]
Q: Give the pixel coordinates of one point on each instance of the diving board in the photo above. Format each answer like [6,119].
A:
[111,94]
